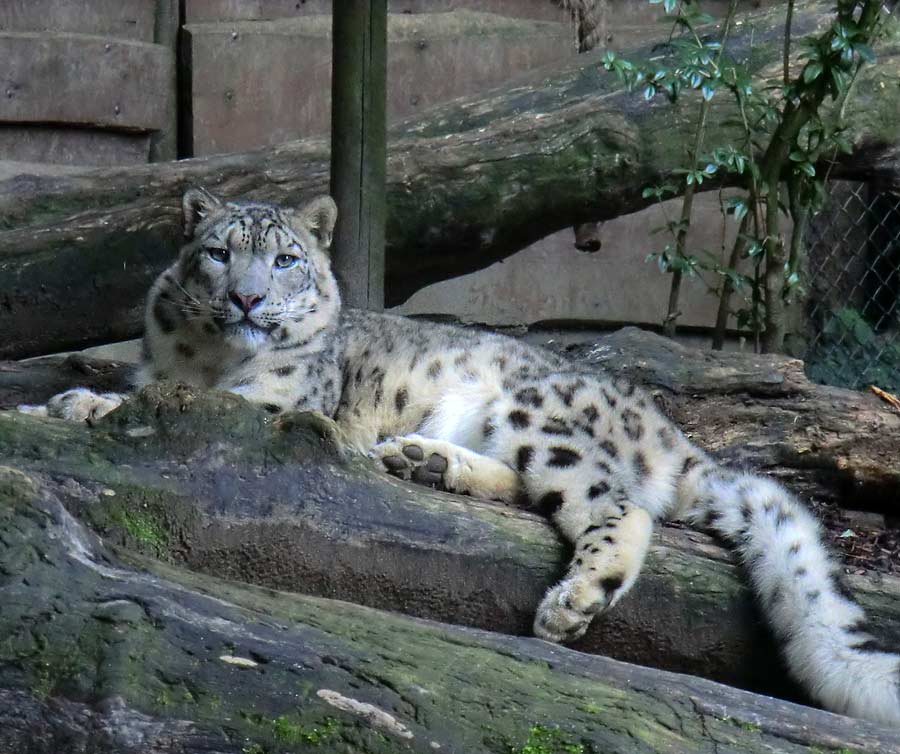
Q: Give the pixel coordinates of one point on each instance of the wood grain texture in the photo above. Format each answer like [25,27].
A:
[95,81]
[126,19]
[73,146]
[259,83]
[359,150]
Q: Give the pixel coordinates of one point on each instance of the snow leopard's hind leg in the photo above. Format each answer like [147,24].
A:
[820,627]
[597,458]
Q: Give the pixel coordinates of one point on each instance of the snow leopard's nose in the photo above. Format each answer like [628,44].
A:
[245,301]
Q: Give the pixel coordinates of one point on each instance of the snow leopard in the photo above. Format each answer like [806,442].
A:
[251,306]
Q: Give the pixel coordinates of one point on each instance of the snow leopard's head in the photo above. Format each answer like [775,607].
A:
[260,272]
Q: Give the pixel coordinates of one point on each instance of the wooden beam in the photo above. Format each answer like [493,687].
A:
[164,142]
[359,148]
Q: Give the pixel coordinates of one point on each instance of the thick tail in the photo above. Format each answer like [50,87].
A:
[801,590]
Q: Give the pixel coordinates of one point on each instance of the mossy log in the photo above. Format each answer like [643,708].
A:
[276,503]
[105,651]
[758,411]
[469,183]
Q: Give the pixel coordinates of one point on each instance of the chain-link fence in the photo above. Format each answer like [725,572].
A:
[853,281]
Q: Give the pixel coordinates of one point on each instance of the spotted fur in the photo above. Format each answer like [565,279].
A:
[251,306]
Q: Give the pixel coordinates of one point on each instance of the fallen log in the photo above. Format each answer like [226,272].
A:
[469,184]
[276,504]
[761,412]
[752,410]
[107,651]
[37,380]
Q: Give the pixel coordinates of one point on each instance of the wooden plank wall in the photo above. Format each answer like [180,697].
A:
[90,82]
[261,70]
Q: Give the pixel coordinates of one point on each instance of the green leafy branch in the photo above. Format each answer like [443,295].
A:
[787,132]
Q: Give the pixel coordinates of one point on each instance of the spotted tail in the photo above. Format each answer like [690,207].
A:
[819,625]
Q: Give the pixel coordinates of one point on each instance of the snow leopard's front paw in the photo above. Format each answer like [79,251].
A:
[82,405]
[568,608]
[407,458]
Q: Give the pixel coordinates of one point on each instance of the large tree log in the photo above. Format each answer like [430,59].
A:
[275,503]
[108,652]
[753,410]
[762,412]
[471,183]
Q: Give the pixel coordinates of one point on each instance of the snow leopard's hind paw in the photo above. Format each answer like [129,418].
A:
[447,467]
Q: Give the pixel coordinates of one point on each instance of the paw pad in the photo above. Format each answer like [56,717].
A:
[413,452]
[395,463]
[408,461]
[432,471]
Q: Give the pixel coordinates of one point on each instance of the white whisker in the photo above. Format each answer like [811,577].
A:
[187,293]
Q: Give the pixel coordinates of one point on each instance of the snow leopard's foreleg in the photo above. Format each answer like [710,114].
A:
[78,404]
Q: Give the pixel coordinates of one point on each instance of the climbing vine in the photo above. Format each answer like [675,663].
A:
[791,128]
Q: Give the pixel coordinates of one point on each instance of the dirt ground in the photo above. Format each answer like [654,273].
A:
[866,541]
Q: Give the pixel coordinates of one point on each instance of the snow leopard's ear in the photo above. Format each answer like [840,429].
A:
[318,217]
[197,205]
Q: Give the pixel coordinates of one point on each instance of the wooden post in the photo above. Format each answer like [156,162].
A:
[164,142]
[358,148]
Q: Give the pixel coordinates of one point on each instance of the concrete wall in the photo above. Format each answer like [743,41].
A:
[551,280]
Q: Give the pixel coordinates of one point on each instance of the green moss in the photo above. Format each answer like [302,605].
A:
[142,518]
[144,528]
[52,668]
[288,730]
[15,486]
[545,740]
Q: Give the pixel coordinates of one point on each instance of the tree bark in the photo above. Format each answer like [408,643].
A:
[107,651]
[275,503]
[471,183]
[761,411]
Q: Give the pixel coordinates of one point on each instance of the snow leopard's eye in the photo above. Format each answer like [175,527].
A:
[218,255]
[283,261]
